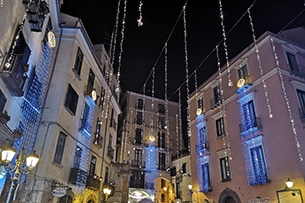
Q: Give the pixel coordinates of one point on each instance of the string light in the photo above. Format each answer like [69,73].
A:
[230,83]
[166,99]
[260,66]
[287,100]
[226,141]
[140,22]
[121,46]
[187,79]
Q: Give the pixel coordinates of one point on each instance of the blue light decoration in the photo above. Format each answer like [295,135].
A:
[32,102]
[150,157]
[252,145]
[202,160]
[86,125]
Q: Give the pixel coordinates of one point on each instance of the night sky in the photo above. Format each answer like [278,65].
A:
[143,46]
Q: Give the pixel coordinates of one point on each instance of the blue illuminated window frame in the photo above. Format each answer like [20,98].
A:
[257,169]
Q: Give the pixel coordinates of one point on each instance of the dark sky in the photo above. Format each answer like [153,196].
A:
[142,46]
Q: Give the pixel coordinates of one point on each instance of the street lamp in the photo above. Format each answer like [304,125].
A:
[107,192]
[22,165]
[289,183]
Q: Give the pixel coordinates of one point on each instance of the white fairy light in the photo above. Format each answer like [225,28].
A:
[140,22]
[121,44]
[187,79]
[296,137]
[230,83]
[260,65]
[166,98]
[226,140]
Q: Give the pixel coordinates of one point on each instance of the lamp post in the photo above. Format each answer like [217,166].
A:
[107,192]
[22,166]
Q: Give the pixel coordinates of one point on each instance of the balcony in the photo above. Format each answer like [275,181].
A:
[13,74]
[36,13]
[93,183]
[77,176]
[202,147]
[138,163]
[110,152]
[251,127]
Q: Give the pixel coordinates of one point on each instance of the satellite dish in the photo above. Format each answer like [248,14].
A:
[241,82]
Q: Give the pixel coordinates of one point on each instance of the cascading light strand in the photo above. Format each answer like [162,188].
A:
[187,78]
[296,137]
[260,65]
[230,83]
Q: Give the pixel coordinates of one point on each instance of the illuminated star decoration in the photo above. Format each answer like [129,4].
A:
[140,23]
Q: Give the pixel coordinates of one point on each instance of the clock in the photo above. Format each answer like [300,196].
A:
[93,94]
[199,111]
[240,82]
[51,39]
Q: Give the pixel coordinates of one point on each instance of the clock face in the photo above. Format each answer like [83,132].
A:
[51,39]
[240,82]
[198,112]
[93,95]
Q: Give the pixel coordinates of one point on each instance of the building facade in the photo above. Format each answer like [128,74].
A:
[149,136]
[62,95]
[247,125]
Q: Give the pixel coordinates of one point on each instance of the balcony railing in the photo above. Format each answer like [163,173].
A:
[93,183]
[138,163]
[202,146]
[77,176]
[256,124]
[13,74]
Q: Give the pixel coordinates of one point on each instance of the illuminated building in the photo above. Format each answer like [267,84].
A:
[148,139]
[247,139]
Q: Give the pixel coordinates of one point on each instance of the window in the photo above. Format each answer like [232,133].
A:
[161,108]
[217,95]
[183,168]
[78,61]
[92,166]
[77,157]
[220,128]
[225,168]
[161,161]
[102,99]
[258,164]
[137,179]
[106,175]
[162,123]
[65,199]
[85,116]
[293,64]
[161,140]
[178,190]
[2,101]
[139,133]
[59,148]
[139,118]
[206,183]
[140,103]
[243,72]
[98,139]
[256,169]
[137,157]
[200,107]
[90,83]
[249,118]
[301,97]
[71,100]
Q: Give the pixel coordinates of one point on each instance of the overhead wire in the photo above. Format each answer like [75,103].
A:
[165,44]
